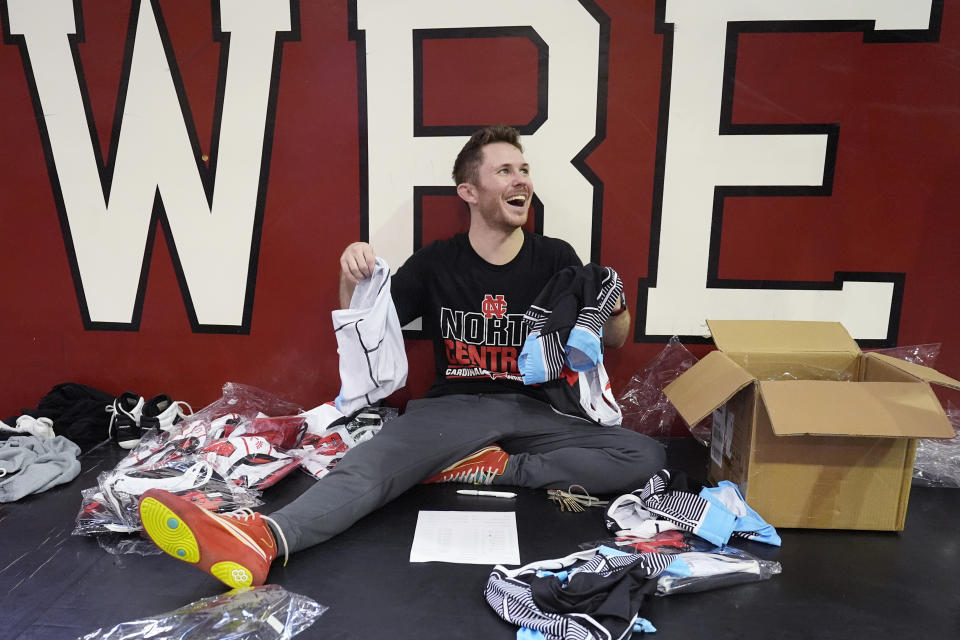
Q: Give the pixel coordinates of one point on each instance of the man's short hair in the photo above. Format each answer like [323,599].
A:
[467,164]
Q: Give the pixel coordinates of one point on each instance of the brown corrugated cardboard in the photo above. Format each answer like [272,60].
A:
[781,336]
[815,433]
[924,373]
[888,409]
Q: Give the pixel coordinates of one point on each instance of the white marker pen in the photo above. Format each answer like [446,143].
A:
[492,494]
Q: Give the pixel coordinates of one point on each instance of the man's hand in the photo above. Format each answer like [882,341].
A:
[356,263]
[617,327]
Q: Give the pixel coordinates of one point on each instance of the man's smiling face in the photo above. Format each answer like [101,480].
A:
[503,188]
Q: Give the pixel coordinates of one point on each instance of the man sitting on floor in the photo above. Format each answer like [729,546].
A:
[483,429]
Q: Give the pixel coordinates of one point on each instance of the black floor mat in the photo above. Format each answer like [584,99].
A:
[835,584]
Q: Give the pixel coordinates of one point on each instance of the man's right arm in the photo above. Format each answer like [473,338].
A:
[356,263]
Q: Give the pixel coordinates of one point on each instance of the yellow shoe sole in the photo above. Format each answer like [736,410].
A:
[232,574]
[168,531]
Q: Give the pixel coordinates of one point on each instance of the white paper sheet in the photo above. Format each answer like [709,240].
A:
[466,537]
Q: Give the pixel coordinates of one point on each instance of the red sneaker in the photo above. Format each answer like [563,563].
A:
[236,548]
[480,467]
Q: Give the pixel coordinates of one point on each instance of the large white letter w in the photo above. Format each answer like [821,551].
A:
[211,220]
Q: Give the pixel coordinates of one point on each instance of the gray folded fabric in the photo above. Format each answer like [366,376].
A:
[29,464]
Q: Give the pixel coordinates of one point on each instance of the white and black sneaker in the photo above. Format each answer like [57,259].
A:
[160,412]
[124,427]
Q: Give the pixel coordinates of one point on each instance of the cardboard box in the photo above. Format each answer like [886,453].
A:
[815,433]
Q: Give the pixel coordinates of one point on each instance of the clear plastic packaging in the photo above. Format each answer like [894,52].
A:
[644,407]
[111,506]
[239,405]
[128,543]
[247,402]
[269,612]
[188,477]
[330,435]
[249,461]
[323,454]
[97,517]
[194,459]
[799,371]
[922,354]
[283,432]
[703,571]
[160,448]
[938,459]
[698,565]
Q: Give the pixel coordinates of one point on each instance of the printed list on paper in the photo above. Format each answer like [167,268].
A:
[466,537]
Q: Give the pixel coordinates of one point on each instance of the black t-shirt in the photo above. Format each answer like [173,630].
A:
[473,310]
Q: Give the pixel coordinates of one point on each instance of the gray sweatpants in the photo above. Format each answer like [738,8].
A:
[547,450]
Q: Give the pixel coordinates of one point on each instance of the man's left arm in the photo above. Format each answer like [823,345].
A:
[617,327]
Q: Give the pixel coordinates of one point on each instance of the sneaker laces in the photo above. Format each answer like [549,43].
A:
[480,475]
[179,404]
[245,513]
[113,410]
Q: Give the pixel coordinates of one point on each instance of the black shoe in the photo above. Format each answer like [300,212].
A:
[160,412]
[124,427]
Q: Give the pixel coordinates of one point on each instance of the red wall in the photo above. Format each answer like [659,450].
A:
[892,207]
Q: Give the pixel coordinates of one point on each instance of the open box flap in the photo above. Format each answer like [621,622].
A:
[919,371]
[886,409]
[706,385]
[781,336]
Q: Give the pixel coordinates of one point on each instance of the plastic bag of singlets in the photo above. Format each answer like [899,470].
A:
[248,461]
[643,404]
[697,565]
[96,516]
[111,506]
[231,414]
[247,402]
[694,571]
[283,432]
[330,434]
[269,612]
[160,448]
